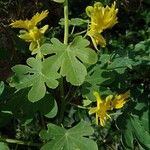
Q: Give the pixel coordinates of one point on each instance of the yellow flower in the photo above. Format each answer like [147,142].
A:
[101,110]
[120,100]
[104,106]
[101,18]
[33,36]
[31,32]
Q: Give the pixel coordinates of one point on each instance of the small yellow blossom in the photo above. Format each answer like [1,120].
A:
[101,110]
[31,32]
[101,18]
[104,106]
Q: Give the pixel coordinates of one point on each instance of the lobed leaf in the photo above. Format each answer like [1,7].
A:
[36,75]
[120,64]
[59,138]
[69,59]
[135,127]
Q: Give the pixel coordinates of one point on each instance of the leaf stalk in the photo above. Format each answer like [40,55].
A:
[66,22]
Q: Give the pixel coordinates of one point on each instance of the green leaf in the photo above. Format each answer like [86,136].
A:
[69,59]
[120,64]
[62,22]
[59,1]
[143,46]
[86,102]
[78,21]
[1,87]
[95,81]
[3,146]
[35,75]
[53,112]
[141,134]
[59,138]
[123,123]
[105,58]
[74,22]
[135,126]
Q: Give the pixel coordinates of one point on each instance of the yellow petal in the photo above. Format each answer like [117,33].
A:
[124,96]
[43,29]
[39,17]
[102,122]
[93,110]
[97,119]
[33,35]
[29,24]
[109,102]
[89,10]
[98,5]
[98,99]
[26,36]
[100,40]
[97,39]
[119,104]
[24,24]
[120,100]
[33,46]
[110,15]
[103,119]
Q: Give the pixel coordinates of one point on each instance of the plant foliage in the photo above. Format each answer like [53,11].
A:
[59,138]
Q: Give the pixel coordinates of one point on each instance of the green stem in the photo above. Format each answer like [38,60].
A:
[39,55]
[79,33]
[66,35]
[14,141]
[66,21]
[73,28]
[79,106]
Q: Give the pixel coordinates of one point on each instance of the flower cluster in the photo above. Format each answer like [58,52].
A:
[31,32]
[101,18]
[103,106]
